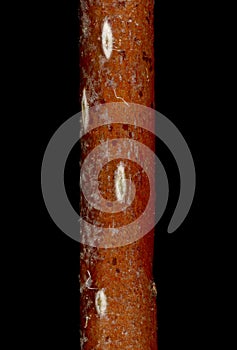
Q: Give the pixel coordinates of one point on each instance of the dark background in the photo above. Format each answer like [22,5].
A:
[179,258]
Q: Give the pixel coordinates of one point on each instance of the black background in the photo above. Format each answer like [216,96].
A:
[179,258]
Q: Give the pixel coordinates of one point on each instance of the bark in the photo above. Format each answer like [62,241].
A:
[118,294]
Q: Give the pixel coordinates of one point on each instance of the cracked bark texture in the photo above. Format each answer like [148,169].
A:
[117,290]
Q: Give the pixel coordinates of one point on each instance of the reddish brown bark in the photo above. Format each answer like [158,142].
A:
[123,274]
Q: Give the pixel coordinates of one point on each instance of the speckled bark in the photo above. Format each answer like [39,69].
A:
[118,295]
